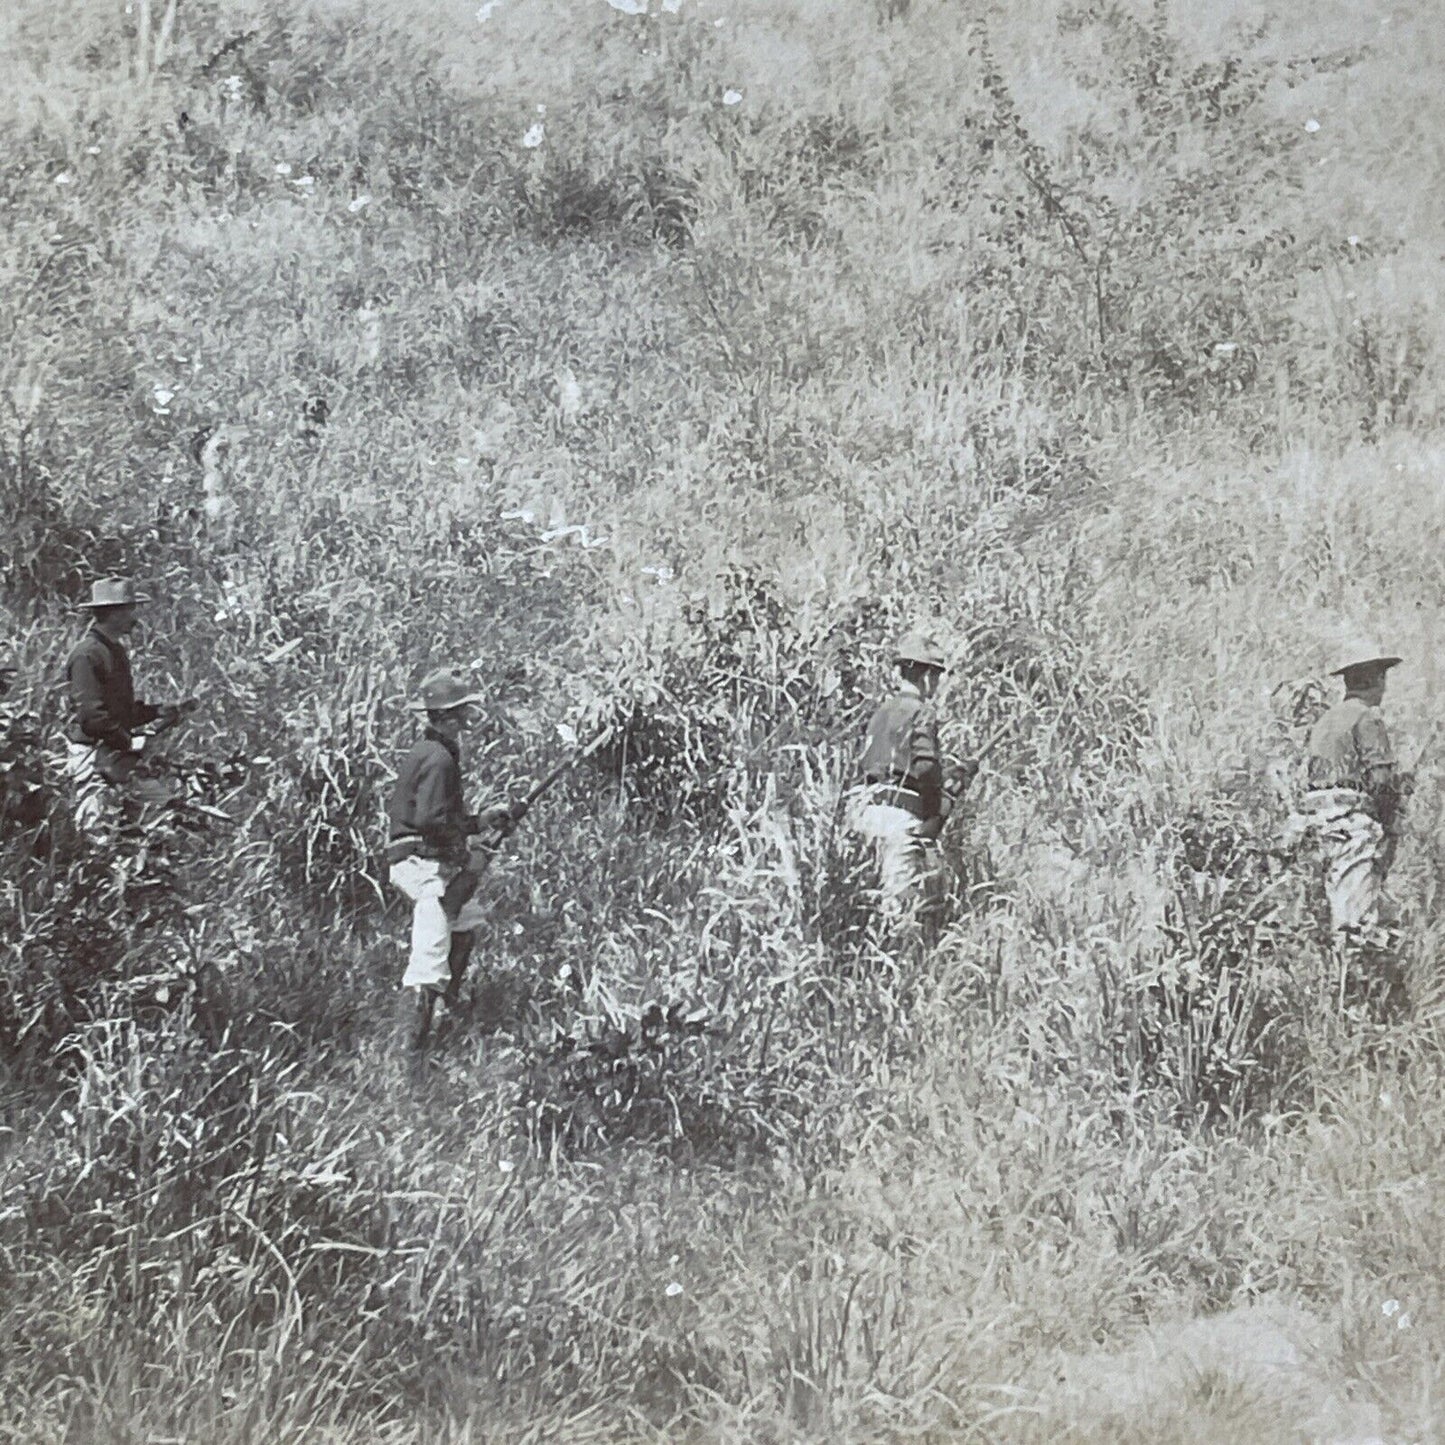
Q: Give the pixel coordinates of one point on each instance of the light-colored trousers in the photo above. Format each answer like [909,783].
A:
[442,904]
[94,802]
[1354,856]
[907,859]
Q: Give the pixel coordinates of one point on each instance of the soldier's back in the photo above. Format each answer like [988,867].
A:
[1331,748]
[887,751]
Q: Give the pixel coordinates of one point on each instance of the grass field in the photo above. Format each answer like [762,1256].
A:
[662,367]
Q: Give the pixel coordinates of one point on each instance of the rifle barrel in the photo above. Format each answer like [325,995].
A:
[993,740]
[566,766]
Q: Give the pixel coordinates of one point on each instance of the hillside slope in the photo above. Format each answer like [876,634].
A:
[661,367]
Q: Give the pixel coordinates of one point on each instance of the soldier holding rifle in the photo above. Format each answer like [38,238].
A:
[105,739]
[438,851]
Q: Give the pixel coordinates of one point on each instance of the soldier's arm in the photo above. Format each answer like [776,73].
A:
[1379,769]
[925,766]
[1377,761]
[92,712]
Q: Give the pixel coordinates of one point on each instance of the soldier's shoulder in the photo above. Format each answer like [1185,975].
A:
[436,754]
[1369,723]
[87,645]
[1337,717]
[922,713]
[423,751]
[890,708]
[905,704]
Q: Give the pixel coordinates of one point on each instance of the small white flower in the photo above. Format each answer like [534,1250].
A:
[1403,1323]
[1312,125]
[283,168]
[541,110]
[629,7]
[660,570]
[1352,240]
[92,150]
[535,135]
[517,930]
[505,1165]
[1225,348]
[163,395]
[484,10]
[64,179]
[717,24]
[1387,1100]
[305,182]
[673,1290]
[1390,1307]
[732,97]
[672,6]
[359,204]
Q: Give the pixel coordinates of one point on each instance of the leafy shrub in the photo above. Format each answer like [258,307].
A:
[739,685]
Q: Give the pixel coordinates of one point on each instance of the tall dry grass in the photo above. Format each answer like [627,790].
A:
[1104,339]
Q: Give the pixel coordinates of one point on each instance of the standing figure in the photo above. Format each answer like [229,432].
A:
[105,743]
[907,800]
[218,503]
[431,853]
[1354,805]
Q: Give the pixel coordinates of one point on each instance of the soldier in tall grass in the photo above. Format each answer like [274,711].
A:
[105,739]
[910,791]
[1354,805]
[431,853]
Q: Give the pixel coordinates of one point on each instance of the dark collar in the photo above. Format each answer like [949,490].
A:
[111,644]
[437,736]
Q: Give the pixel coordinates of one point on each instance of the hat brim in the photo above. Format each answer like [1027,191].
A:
[97,606]
[1364,662]
[471,697]
[900,658]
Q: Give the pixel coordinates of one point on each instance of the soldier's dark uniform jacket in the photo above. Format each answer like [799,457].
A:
[429,818]
[107,711]
[901,756]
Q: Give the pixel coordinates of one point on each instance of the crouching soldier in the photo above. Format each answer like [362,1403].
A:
[438,851]
[1354,806]
[909,789]
[105,741]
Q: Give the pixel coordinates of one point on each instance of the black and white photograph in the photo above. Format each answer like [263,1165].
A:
[722,722]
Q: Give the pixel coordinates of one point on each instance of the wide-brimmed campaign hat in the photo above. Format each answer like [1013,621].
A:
[922,648]
[444,689]
[1361,654]
[114,592]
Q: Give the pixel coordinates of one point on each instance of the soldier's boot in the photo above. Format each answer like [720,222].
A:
[414,1018]
[459,955]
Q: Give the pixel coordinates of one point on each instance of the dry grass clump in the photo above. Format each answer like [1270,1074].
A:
[661,367]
